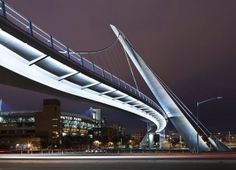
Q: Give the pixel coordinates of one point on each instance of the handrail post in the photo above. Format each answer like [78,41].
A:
[111,77]
[82,61]
[3,9]
[94,68]
[51,41]
[103,74]
[118,81]
[30,28]
[68,52]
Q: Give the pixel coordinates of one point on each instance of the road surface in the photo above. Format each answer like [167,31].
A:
[120,162]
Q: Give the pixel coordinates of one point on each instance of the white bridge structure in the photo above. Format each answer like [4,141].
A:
[29,52]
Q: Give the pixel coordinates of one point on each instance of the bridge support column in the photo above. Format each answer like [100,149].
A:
[173,112]
[162,137]
[148,139]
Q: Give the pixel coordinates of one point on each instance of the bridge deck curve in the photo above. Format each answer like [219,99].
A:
[57,65]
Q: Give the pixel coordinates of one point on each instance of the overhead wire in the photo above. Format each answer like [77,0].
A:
[169,91]
[106,49]
[131,70]
[179,102]
[99,50]
[182,106]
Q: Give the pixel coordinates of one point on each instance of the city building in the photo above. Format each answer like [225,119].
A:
[229,138]
[49,128]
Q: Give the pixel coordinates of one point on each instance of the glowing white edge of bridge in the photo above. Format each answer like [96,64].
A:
[16,63]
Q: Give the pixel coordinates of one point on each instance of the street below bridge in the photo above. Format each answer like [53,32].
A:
[119,162]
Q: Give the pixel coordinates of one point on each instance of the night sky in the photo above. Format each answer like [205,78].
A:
[190,44]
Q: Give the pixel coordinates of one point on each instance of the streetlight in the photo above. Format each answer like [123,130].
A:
[199,103]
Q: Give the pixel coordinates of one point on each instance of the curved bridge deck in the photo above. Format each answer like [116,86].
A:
[35,54]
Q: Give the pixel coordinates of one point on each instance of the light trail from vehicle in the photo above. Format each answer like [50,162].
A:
[129,156]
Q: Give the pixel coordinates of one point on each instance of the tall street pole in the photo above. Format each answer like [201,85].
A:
[199,103]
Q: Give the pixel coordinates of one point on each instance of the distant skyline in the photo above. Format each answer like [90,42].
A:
[189,44]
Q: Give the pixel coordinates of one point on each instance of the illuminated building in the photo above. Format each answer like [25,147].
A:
[49,128]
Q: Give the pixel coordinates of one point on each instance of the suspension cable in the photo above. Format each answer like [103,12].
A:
[179,102]
[186,109]
[100,50]
[131,70]
[183,107]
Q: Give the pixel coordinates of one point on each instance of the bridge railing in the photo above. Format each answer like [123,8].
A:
[25,24]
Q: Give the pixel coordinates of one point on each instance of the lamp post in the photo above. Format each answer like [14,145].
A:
[199,103]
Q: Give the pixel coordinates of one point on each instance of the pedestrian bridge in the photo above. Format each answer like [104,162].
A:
[30,52]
